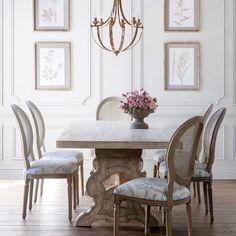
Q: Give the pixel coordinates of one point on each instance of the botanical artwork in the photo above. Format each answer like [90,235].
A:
[182,66]
[182,15]
[52,65]
[51,14]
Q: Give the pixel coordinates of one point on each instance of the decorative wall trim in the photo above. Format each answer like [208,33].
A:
[100,61]
[1,50]
[234,142]
[1,142]
[222,54]
[234,52]
[90,56]
[221,156]
[57,103]
[141,61]
[15,155]
[12,47]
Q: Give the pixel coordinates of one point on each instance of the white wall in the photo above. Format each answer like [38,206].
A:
[97,74]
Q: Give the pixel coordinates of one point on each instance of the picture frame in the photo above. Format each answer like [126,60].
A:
[51,15]
[52,65]
[182,15]
[182,65]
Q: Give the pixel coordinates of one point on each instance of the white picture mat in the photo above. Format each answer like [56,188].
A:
[52,65]
[181,15]
[181,66]
[51,13]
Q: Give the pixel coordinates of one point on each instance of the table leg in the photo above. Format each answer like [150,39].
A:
[128,164]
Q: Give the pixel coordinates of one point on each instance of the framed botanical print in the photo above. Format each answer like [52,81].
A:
[182,15]
[51,15]
[182,66]
[52,65]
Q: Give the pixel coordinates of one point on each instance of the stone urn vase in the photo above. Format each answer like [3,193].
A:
[137,117]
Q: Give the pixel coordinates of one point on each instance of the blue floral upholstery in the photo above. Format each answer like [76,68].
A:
[151,189]
[198,172]
[52,165]
[159,156]
[65,154]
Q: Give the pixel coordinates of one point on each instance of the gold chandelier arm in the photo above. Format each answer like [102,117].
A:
[122,40]
[132,41]
[111,38]
[100,43]
[122,12]
[130,46]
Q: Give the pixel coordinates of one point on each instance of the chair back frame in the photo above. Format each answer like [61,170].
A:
[40,130]
[24,124]
[173,145]
[209,142]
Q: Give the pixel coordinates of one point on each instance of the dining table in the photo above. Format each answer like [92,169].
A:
[118,150]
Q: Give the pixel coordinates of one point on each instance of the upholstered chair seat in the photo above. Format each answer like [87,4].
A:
[64,154]
[52,165]
[151,189]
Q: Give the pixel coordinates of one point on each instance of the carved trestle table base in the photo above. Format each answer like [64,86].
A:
[128,164]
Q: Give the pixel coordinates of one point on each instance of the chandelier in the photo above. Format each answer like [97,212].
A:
[116,23]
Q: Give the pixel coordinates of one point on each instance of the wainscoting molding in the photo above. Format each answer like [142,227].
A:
[1,142]
[220,155]
[234,142]
[76,101]
[1,52]
[234,53]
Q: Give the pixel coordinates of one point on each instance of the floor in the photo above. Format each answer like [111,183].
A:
[49,216]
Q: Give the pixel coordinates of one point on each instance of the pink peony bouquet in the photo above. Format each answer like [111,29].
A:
[138,101]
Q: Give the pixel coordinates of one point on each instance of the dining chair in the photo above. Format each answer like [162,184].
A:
[109,109]
[168,192]
[203,167]
[43,168]
[63,154]
[160,154]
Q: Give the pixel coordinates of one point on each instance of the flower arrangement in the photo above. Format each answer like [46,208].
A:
[138,102]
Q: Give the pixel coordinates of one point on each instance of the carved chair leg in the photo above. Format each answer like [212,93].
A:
[41,187]
[31,193]
[147,220]
[116,217]
[75,186]
[189,218]
[205,197]
[158,168]
[210,202]
[77,189]
[82,179]
[154,170]
[69,188]
[198,193]
[36,191]
[168,221]
[25,200]
[194,189]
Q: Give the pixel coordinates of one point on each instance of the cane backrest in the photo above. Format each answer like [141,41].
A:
[39,127]
[26,134]
[210,137]
[205,119]
[109,109]
[181,152]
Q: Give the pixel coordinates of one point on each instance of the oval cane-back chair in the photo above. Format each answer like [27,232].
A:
[168,192]
[160,155]
[63,154]
[109,109]
[203,168]
[44,168]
